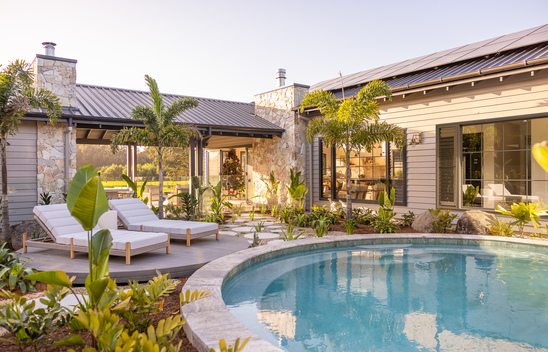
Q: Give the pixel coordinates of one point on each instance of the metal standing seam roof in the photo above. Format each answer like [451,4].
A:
[468,58]
[106,102]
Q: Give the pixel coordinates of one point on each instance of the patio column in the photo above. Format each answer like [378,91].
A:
[200,158]
[130,162]
[192,157]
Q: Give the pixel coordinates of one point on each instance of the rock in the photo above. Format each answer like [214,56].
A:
[475,222]
[422,222]
[31,228]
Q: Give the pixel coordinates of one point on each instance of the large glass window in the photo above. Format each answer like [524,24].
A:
[496,167]
[370,173]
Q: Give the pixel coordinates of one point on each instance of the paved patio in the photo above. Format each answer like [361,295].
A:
[181,261]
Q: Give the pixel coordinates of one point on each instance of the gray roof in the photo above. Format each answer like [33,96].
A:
[499,51]
[114,103]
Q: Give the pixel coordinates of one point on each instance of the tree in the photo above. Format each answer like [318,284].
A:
[233,169]
[18,97]
[352,124]
[160,130]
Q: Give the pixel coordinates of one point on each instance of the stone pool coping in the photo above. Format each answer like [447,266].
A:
[208,320]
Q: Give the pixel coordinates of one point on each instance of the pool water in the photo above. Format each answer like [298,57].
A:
[397,298]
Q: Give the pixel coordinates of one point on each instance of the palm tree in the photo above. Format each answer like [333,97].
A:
[18,97]
[160,129]
[352,124]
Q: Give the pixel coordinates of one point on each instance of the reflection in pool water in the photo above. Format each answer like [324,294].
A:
[397,298]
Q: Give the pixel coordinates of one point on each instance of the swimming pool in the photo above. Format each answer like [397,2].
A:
[396,298]
[379,295]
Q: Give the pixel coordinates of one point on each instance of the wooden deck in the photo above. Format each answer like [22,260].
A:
[181,261]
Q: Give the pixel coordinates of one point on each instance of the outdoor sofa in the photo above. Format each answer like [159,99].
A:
[65,233]
[137,216]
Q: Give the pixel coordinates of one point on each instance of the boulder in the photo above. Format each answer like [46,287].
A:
[422,222]
[31,228]
[475,222]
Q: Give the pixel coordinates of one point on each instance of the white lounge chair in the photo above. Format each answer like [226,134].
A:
[65,233]
[500,190]
[137,216]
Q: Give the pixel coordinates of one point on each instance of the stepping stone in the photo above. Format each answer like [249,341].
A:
[230,233]
[276,231]
[253,223]
[274,227]
[276,241]
[242,229]
[232,225]
[263,235]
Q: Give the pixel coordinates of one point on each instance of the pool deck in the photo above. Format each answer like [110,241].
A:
[181,261]
[208,320]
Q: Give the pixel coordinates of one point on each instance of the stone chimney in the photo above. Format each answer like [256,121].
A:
[56,74]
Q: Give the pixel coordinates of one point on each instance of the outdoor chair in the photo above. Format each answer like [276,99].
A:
[65,233]
[137,216]
[500,190]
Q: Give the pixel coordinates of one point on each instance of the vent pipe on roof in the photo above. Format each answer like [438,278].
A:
[50,48]
[280,76]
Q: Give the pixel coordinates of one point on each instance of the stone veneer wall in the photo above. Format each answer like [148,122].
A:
[57,75]
[280,154]
[51,159]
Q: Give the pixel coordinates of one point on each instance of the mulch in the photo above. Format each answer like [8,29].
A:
[171,304]
[366,229]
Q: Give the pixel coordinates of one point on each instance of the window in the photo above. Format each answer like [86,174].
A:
[370,173]
[495,163]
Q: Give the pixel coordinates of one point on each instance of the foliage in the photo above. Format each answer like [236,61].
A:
[259,227]
[233,168]
[286,215]
[218,202]
[231,348]
[320,226]
[256,241]
[137,192]
[263,209]
[138,304]
[351,124]
[288,233]
[30,325]
[297,190]
[7,256]
[442,220]
[500,227]
[300,220]
[252,214]
[386,202]
[18,97]
[271,192]
[470,195]
[45,198]
[350,225]
[540,153]
[523,214]
[408,219]
[160,130]
[199,190]
[188,207]
[385,226]
[15,275]
[191,296]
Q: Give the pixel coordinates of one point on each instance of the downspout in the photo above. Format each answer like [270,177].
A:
[68,131]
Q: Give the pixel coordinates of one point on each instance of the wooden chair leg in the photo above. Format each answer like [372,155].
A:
[71,248]
[217,232]
[128,253]
[188,237]
[24,245]
[168,243]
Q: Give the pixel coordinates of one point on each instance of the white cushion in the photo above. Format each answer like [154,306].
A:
[108,220]
[177,227]
[131,210]
[119,239]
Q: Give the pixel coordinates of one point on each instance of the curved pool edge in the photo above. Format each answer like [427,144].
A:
[208,320]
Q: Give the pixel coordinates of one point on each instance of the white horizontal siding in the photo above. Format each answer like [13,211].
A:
[22,166]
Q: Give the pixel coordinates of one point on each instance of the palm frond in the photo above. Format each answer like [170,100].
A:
[157,100]
[325,101]
[174,136]
[177,108]
[139,136]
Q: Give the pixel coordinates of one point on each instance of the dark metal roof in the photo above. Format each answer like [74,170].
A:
[496,52]
[96,102]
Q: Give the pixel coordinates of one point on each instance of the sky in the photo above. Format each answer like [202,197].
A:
[231,50]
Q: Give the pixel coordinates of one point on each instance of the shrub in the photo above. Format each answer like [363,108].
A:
[14,275]
[408,219]
[288,234]
[500,227]
[320,226]
[442,220]
[523,214]
[350,225]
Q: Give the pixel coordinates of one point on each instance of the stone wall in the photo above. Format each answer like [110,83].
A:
[280,154]
[57,75]
[51,159]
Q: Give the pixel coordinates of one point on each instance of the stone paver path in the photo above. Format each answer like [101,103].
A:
[229,233]
[263,235]
[242,229]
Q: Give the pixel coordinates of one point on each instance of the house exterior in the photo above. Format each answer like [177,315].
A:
[471,115]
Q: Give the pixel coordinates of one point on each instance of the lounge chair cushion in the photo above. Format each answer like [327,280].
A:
[131,210]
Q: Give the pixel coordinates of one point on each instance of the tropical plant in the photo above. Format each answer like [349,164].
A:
[231,348]
[31,325]
[18,97]
[199,190]
[233,169]
[288,233]
[297,190]
[218,202]
[188,206]
[470,195]
[386,202]
[350,225]
[160,130]
[524,214]
[442,220]
[256,240]
[352,124]
[15,276]
[500,227]
[263,209]
[137,192]
[408,219]
[286,215]
[300,220]
[252,214]
[45,198]
[7,256]
[320,226]
[259,227]
[385,226]
[271,192]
